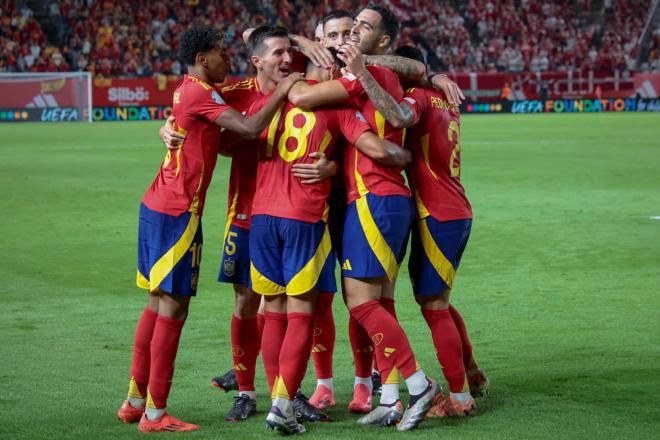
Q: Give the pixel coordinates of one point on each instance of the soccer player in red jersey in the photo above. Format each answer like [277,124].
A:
[170,231]
[378,220]
[271,54]
[442,230]
[290,247]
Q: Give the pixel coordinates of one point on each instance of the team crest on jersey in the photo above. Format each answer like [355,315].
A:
[229,268]
[360,116]
[377,338]
[217,98]
[193,281]
[409,99]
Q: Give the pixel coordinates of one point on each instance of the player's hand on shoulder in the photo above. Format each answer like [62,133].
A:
[285,85]
[315,52]
[449,88]
[169,136]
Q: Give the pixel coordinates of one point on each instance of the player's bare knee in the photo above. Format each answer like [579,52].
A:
[438,301]
[361,291]
[275,303]
[173,306]
[246,302]
[304,303]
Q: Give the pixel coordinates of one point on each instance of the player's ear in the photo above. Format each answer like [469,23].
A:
[384,41]
[201,59]
[256,61]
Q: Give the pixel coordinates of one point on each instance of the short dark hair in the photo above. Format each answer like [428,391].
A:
[333,51]
[337,14]
[262,33]
[390,23]
[411,52]
[198,39]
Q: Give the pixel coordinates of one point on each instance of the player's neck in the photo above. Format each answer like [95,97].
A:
[199,74]
[266,85]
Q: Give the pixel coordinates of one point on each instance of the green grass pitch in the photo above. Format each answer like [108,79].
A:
[560,284]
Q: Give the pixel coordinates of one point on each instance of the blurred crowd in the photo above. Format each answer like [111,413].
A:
[139,38]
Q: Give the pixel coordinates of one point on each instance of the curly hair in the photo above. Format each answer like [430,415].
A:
[198,39]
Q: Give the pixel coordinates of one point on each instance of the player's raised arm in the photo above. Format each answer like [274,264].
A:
[250,126]
[382,151]
[407,69]
[398,115]
[307,96]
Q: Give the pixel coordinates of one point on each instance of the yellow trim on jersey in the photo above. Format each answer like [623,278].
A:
[424,140]
[166,263]
[308,276]
[380,124]
[182,131]
[361,187]
[279,389]
[376,241]
[422,210]
[245,84]
[200,82]
[195,201]
[142,281]
[230,215]
[327,137]
[262,285]
[441,264]
[272,130]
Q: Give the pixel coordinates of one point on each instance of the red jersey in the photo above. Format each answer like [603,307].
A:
[291,137]
[186,173]
[364,175]
[435,171]
[242,178]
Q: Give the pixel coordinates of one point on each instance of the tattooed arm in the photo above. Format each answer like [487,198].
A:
[398,115]
[406,68]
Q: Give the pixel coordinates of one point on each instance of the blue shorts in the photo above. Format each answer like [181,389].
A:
[436,251]
[290,256]
[376,230]
[169,252]
[235,263]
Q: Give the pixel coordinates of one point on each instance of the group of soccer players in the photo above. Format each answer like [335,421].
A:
[316,175]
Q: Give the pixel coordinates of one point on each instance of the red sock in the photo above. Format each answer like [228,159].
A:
[244,348]
[260,326]
[141,350]
[468,360]
[323,341]
[164,345]
[295,354]
[362,347]
[388,304]
[391,344]
[448,350]
[271,343]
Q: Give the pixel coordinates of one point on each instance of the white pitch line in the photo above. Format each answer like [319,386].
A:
[654,217]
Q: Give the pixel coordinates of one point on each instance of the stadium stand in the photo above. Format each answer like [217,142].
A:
[138,38]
